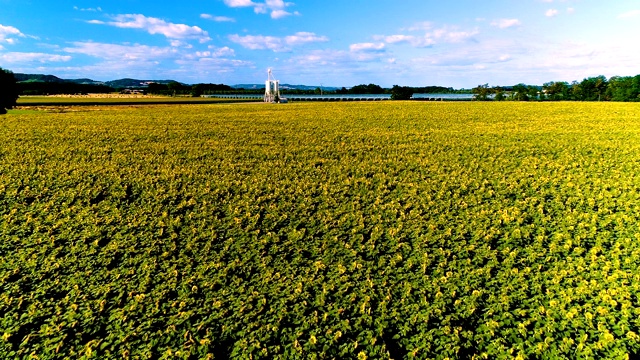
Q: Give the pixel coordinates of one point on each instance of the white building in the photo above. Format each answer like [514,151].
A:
[271,89]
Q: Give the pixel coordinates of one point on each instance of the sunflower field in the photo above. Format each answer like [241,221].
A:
[321,230]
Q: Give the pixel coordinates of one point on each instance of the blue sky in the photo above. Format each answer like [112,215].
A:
[459,43]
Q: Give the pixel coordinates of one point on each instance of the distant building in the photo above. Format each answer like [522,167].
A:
[132,92]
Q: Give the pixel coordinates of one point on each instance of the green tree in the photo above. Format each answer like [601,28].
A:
[521,92]
[500,95]
[401,92]
[625,88]
[8,91]
[556,90]
[366,89]
[592,89]
[481,92]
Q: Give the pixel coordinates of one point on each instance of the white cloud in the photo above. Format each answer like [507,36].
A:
[366,47]
[209,69]
[457,36]
[506,23]
[143,61]
[431,36]
[239,3]
[217,18]
[629,14]
[8,34]
[350,67]
[275,7]
[157,26]
[32,57]
[415,41]
[571,10]
[258,42]
[551,13]
[216,52]
[367,52]
[302,37]
[276,44]
[180,43]
[394,39]
[279,14]
[98,9]
[118,52]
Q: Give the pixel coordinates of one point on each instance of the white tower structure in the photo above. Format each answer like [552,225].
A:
[271,88]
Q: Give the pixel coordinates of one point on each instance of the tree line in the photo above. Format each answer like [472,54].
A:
[598,88]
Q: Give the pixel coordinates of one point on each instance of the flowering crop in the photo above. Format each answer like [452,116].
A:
[342,230]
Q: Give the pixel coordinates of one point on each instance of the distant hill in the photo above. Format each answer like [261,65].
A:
[37,78]
[121,83]
[137,83]
[85,81]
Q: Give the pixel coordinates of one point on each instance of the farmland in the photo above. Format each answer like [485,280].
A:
[339,230]
[117,99]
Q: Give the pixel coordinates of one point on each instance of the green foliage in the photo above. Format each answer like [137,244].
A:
[357,230]
[625,88]
[366,89]
[523,92]
[401,93]
[8,91]
[557,90]
[482,92]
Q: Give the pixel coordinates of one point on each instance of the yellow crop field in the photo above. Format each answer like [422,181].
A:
[321,230]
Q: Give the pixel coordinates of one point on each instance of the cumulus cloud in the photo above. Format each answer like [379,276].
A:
[142,61]
[431,37]
[506,23]
[180,43]
[8,34]
[551,13]
[275,7]
[118,52]
[157,26]
[348,66]
[367,52]
[216,52]
[394,39]
[258,42]
[302,37]
[217,18]
[367,47]
[276,44]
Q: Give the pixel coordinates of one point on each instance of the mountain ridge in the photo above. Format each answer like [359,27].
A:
[137,83]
